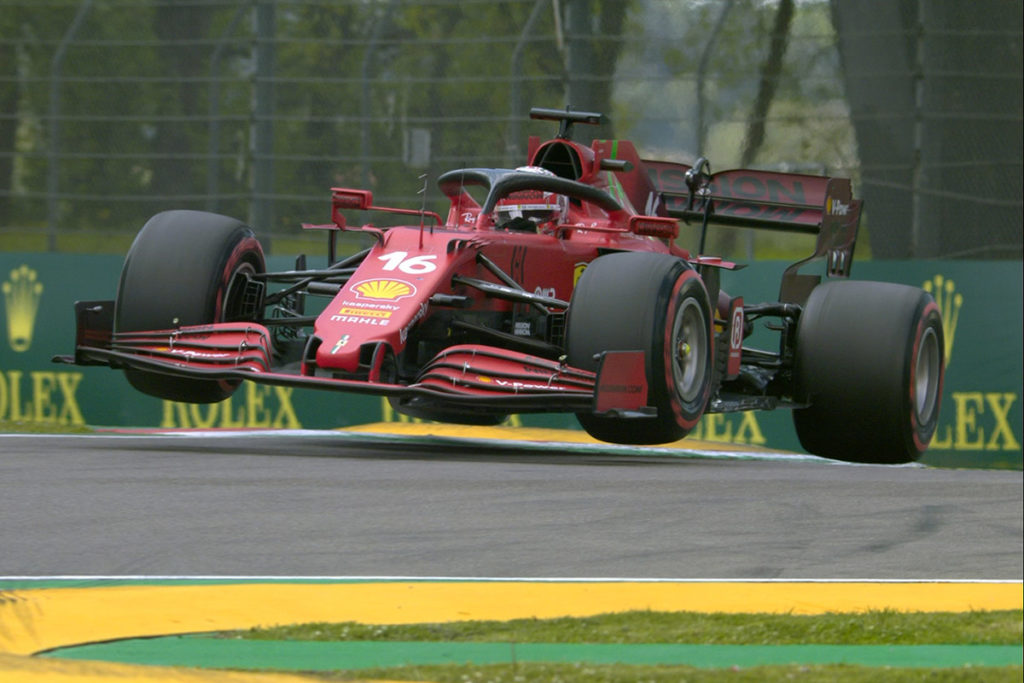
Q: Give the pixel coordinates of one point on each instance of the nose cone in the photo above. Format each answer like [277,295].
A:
[339,353]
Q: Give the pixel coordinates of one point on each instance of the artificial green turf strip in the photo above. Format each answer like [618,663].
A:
[324,656]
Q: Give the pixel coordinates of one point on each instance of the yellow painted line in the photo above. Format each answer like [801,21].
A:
[35,620]
[534,434]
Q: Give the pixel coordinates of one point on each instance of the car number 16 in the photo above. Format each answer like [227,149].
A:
[415,265]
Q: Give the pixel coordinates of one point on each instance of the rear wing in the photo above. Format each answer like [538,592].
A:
[790,202]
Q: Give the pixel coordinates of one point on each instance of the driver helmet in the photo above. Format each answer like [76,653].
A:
[529,209]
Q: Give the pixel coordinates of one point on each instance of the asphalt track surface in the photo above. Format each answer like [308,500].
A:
[333,504]
[351,505]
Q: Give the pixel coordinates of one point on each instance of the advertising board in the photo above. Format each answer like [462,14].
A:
[980,423]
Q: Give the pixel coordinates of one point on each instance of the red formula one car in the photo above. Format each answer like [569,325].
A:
[554,287]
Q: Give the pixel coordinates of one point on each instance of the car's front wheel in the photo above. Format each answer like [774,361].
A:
[658,304]
[186,268]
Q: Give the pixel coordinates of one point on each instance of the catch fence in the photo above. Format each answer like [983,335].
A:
[113,110]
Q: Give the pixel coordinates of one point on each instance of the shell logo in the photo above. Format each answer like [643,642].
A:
[383,290]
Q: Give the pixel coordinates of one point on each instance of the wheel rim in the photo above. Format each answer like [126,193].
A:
[689,350]
[926,376]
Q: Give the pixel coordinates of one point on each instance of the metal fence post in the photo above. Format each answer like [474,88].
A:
[213,143]
[261,211]
[580,58]
[516,110]
[53,147]
[366,104]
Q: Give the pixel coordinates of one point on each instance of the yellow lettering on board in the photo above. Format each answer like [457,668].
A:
[43,384]
[969,436]
[255,407]
[14,395]
[69,412]
[229,418]
[175,415]
[285,417]
[716,427]
[749,431]
[203,416]
[1000,405]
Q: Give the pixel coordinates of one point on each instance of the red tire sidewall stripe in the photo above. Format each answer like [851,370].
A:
[677,409]
[231,263]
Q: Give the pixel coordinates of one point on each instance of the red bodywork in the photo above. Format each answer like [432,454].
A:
[376,335]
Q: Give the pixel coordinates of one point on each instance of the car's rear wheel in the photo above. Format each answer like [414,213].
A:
[186,268]
[657,304]
[869,364]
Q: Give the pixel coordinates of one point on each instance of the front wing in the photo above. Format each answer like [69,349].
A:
[476,377]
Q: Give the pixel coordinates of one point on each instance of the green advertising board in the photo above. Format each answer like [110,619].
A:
[980,424]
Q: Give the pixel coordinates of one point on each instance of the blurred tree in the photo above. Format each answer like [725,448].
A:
[9,92]
[594,31]
[25,56]
[771,73]
[935,94]
[181,28]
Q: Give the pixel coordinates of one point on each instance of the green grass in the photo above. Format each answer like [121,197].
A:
[622,673]
[871,628]
[30,427]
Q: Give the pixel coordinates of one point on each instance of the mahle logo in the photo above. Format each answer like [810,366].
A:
[22,292]
[949,302]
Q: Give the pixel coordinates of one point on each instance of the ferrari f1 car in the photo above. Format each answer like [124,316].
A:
[557,286]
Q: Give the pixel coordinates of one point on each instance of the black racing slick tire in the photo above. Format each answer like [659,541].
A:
[658,304]
[186,268]
[869,365]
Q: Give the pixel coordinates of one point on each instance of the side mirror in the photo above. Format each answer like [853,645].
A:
[654,226]
[344,199]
